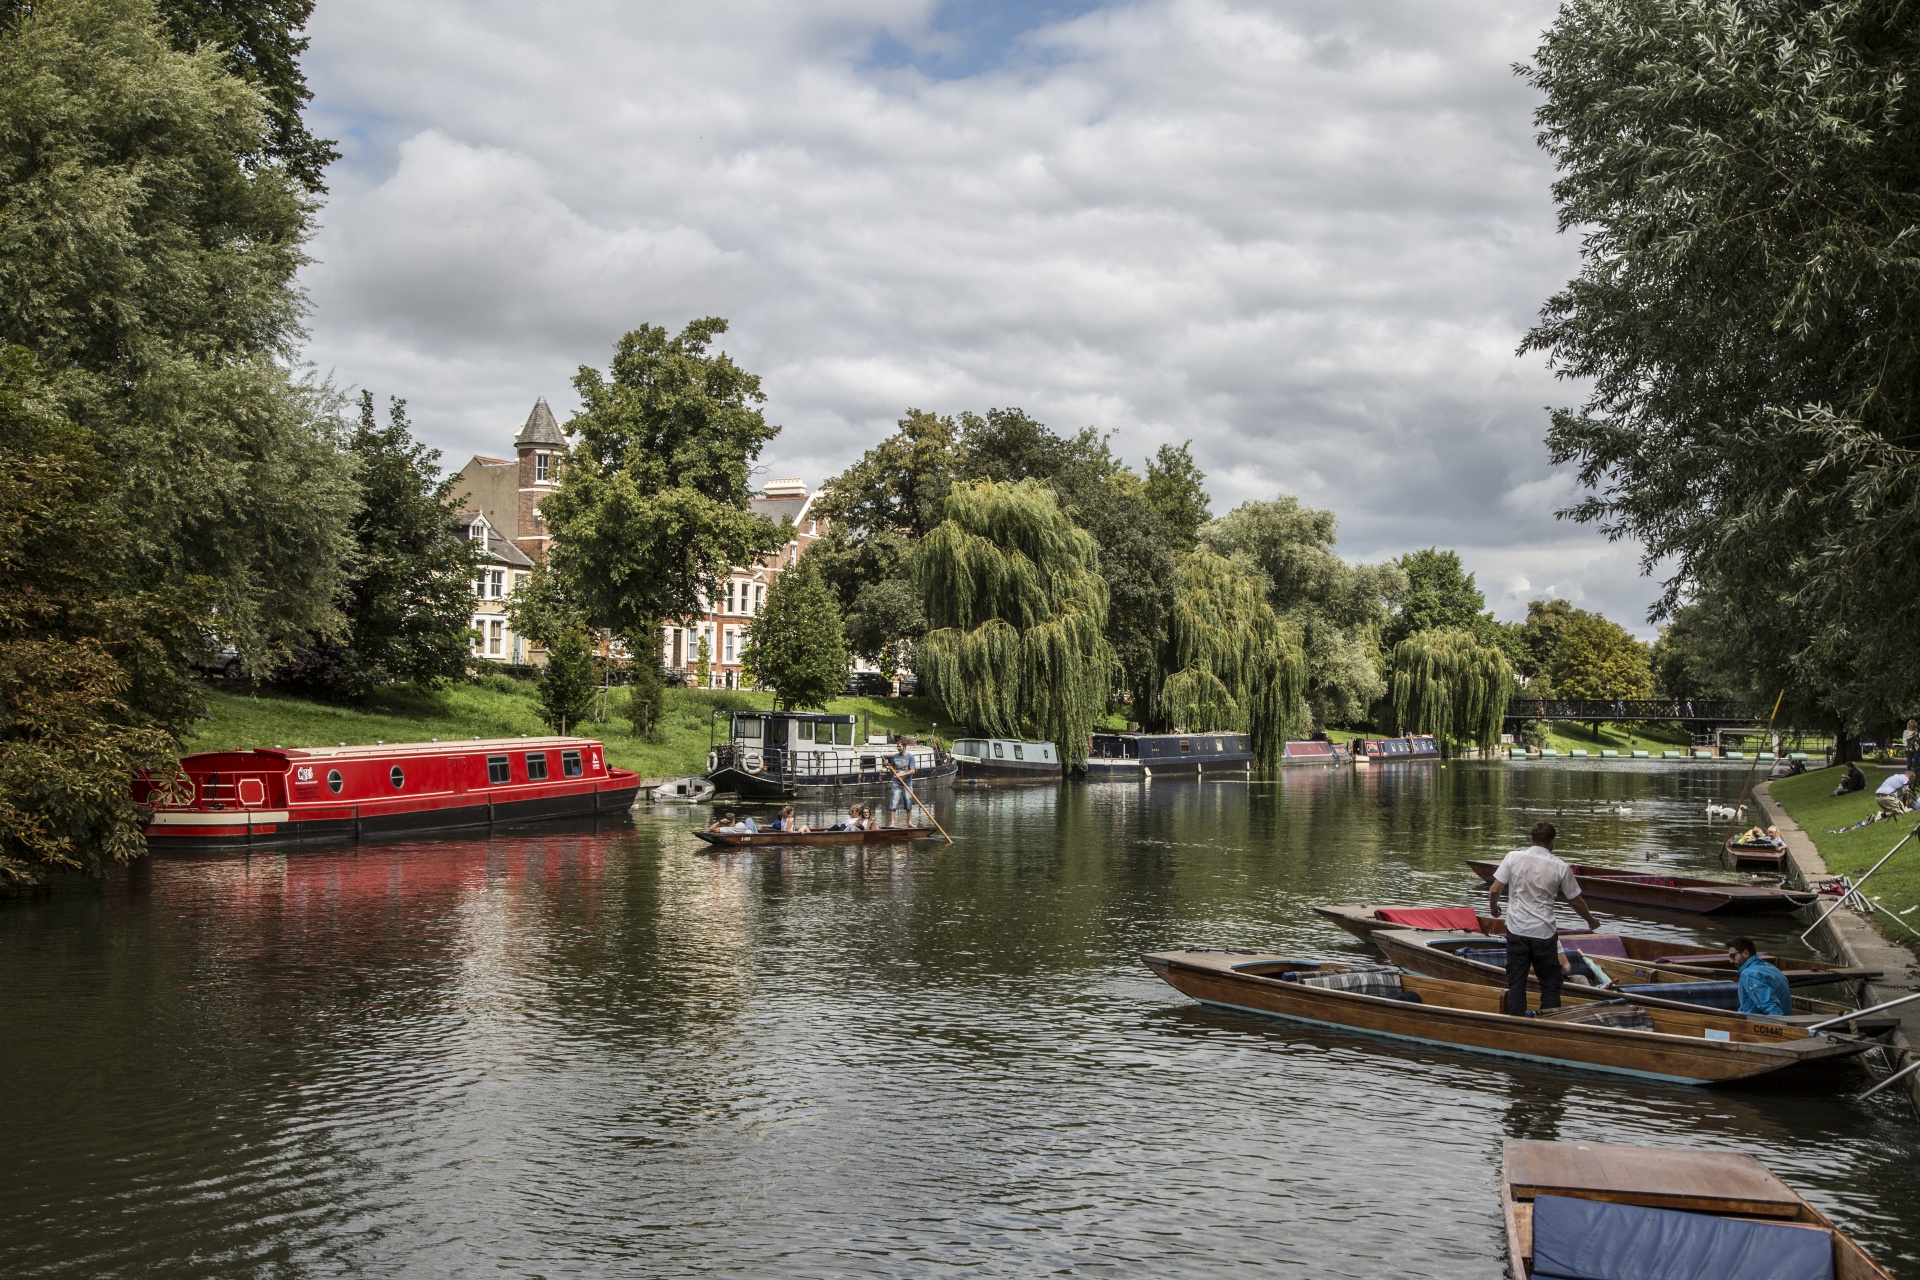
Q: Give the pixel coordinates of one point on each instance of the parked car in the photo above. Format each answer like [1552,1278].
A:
[869,684]
[672,679]
[223,662]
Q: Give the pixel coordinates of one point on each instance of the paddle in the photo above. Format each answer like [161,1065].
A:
[916,799]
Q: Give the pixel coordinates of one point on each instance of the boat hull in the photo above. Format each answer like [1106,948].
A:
[1675,893]
[172,831]
[1471,1019]
[776,786]
[765,839]
[1759,857]
[972,770]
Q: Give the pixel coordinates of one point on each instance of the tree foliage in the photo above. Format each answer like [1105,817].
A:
[795,643]
[651,511]
[1176,491]
[646,700]
[568,681]
[1016,610]
[1339,610]
[1230,662]
[1689,659]
[409,599]
[1447,683]
[1745,179]
[1594,657]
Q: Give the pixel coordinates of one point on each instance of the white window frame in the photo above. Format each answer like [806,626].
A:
[542,468]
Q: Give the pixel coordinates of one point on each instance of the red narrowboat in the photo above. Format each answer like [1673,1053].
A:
[230,799]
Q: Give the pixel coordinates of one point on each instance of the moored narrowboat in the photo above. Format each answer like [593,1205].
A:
[291,795]
[1005,760]
[1314,751]
[1133,757]
[769,755]
[1396,750]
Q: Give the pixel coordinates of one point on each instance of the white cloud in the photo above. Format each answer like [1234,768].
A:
[1306,235]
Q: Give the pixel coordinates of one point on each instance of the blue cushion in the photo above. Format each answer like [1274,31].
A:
[1592,1240]
[1712,995]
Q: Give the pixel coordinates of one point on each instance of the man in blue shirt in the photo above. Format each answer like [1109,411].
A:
[1763,988]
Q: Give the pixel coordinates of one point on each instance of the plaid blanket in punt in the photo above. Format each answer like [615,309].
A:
[1627,1017]
[1372,981]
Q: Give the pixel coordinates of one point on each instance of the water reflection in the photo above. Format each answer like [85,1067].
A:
[616,1051]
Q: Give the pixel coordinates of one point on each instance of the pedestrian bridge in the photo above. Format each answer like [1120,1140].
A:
[1704,711]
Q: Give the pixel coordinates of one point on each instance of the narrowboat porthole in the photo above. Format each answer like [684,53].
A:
[335,781]
[399,777]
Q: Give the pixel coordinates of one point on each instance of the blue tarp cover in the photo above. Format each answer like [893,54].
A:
[1592,1240]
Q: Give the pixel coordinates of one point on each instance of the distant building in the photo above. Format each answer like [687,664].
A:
[743,593]
[499,502]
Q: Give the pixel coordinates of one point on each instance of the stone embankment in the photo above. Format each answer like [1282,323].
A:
[1852,937]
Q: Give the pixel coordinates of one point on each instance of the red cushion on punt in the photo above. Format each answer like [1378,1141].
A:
[1595,944]
[1431,917]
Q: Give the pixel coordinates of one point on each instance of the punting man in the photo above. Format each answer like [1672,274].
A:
[901,763]
[1763,988]
[1534,879]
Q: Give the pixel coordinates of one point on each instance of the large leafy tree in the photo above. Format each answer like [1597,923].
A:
[1449,683]
[410,599]
[1594,657]
[1017,609]
[652,507]
[1339,610]
[1230,661]
[1745,178]
[796,646]
[148,244]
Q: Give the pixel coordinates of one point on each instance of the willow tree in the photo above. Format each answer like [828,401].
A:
[1230,662]
[1447,683]
[1015,608]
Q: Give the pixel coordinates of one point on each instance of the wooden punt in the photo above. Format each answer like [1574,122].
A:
[761,839]
[1469,1016]
[1625,957]
[1766,857]
[1717,1184]
[1438,955]
[1362,921]
[1674,893]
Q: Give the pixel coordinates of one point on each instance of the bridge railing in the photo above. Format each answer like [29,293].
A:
[1712,710]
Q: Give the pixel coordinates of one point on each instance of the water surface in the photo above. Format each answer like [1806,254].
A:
[613,1052]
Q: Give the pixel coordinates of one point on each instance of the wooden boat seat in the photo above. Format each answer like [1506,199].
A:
[1609,1013]
[1584,1239]
[1367,980]
[1596,944]
[1708,995]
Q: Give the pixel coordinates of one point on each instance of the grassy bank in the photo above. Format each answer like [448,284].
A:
[1820,814]
[500,707]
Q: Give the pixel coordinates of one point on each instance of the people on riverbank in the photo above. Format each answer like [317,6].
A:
[1910,746]
[1895,795]
[1763,988]
[1851,781]
[1535,879]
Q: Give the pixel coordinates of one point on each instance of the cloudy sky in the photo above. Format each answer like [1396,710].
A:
[1305,234]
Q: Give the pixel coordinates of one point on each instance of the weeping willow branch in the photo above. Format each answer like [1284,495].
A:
[1018,612]
[1231,663]
[1450,685]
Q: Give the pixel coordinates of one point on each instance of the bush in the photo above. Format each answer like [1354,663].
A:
[1532,733]
[500,683]
[568,685]
[646,703]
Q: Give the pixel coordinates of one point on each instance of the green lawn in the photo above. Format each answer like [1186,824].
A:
[1808,798]
[501,707]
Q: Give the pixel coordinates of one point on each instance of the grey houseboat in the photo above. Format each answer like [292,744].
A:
[1130,756]
[1006,760]
[773,754]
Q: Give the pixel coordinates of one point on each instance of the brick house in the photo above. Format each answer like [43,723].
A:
[499,503]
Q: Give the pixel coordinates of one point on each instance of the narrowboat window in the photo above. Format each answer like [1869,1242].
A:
[498,771]
[536,766]
[335,781]
[998,751]
[1219,745]
[1185,745]
[749,727]
[806,731]
[869,763]
[1019,752]
[398,777]
[843,734]
[570,764]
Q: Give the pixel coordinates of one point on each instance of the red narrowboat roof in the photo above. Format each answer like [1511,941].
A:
[385,751]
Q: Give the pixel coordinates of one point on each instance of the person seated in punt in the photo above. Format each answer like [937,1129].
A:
[734,825]
[866,818]
[786,822]
[849,823]
[1763,988]
[1852,780]
[1536,879]
[1757,837]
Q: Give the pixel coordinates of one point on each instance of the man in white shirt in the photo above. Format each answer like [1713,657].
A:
[1536,880]
[1893,794]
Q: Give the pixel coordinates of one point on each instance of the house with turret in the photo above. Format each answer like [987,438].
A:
[499,504]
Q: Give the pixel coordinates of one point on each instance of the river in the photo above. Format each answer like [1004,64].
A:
[615,1053]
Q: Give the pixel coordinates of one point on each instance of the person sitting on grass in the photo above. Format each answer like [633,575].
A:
[1763,988]
[1851,781]
[1895,795]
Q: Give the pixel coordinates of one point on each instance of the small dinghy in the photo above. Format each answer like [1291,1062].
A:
[1764,855]
[684,791]
[1690,1046]
[1483,960]
[1674,893]
[1583,1209]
